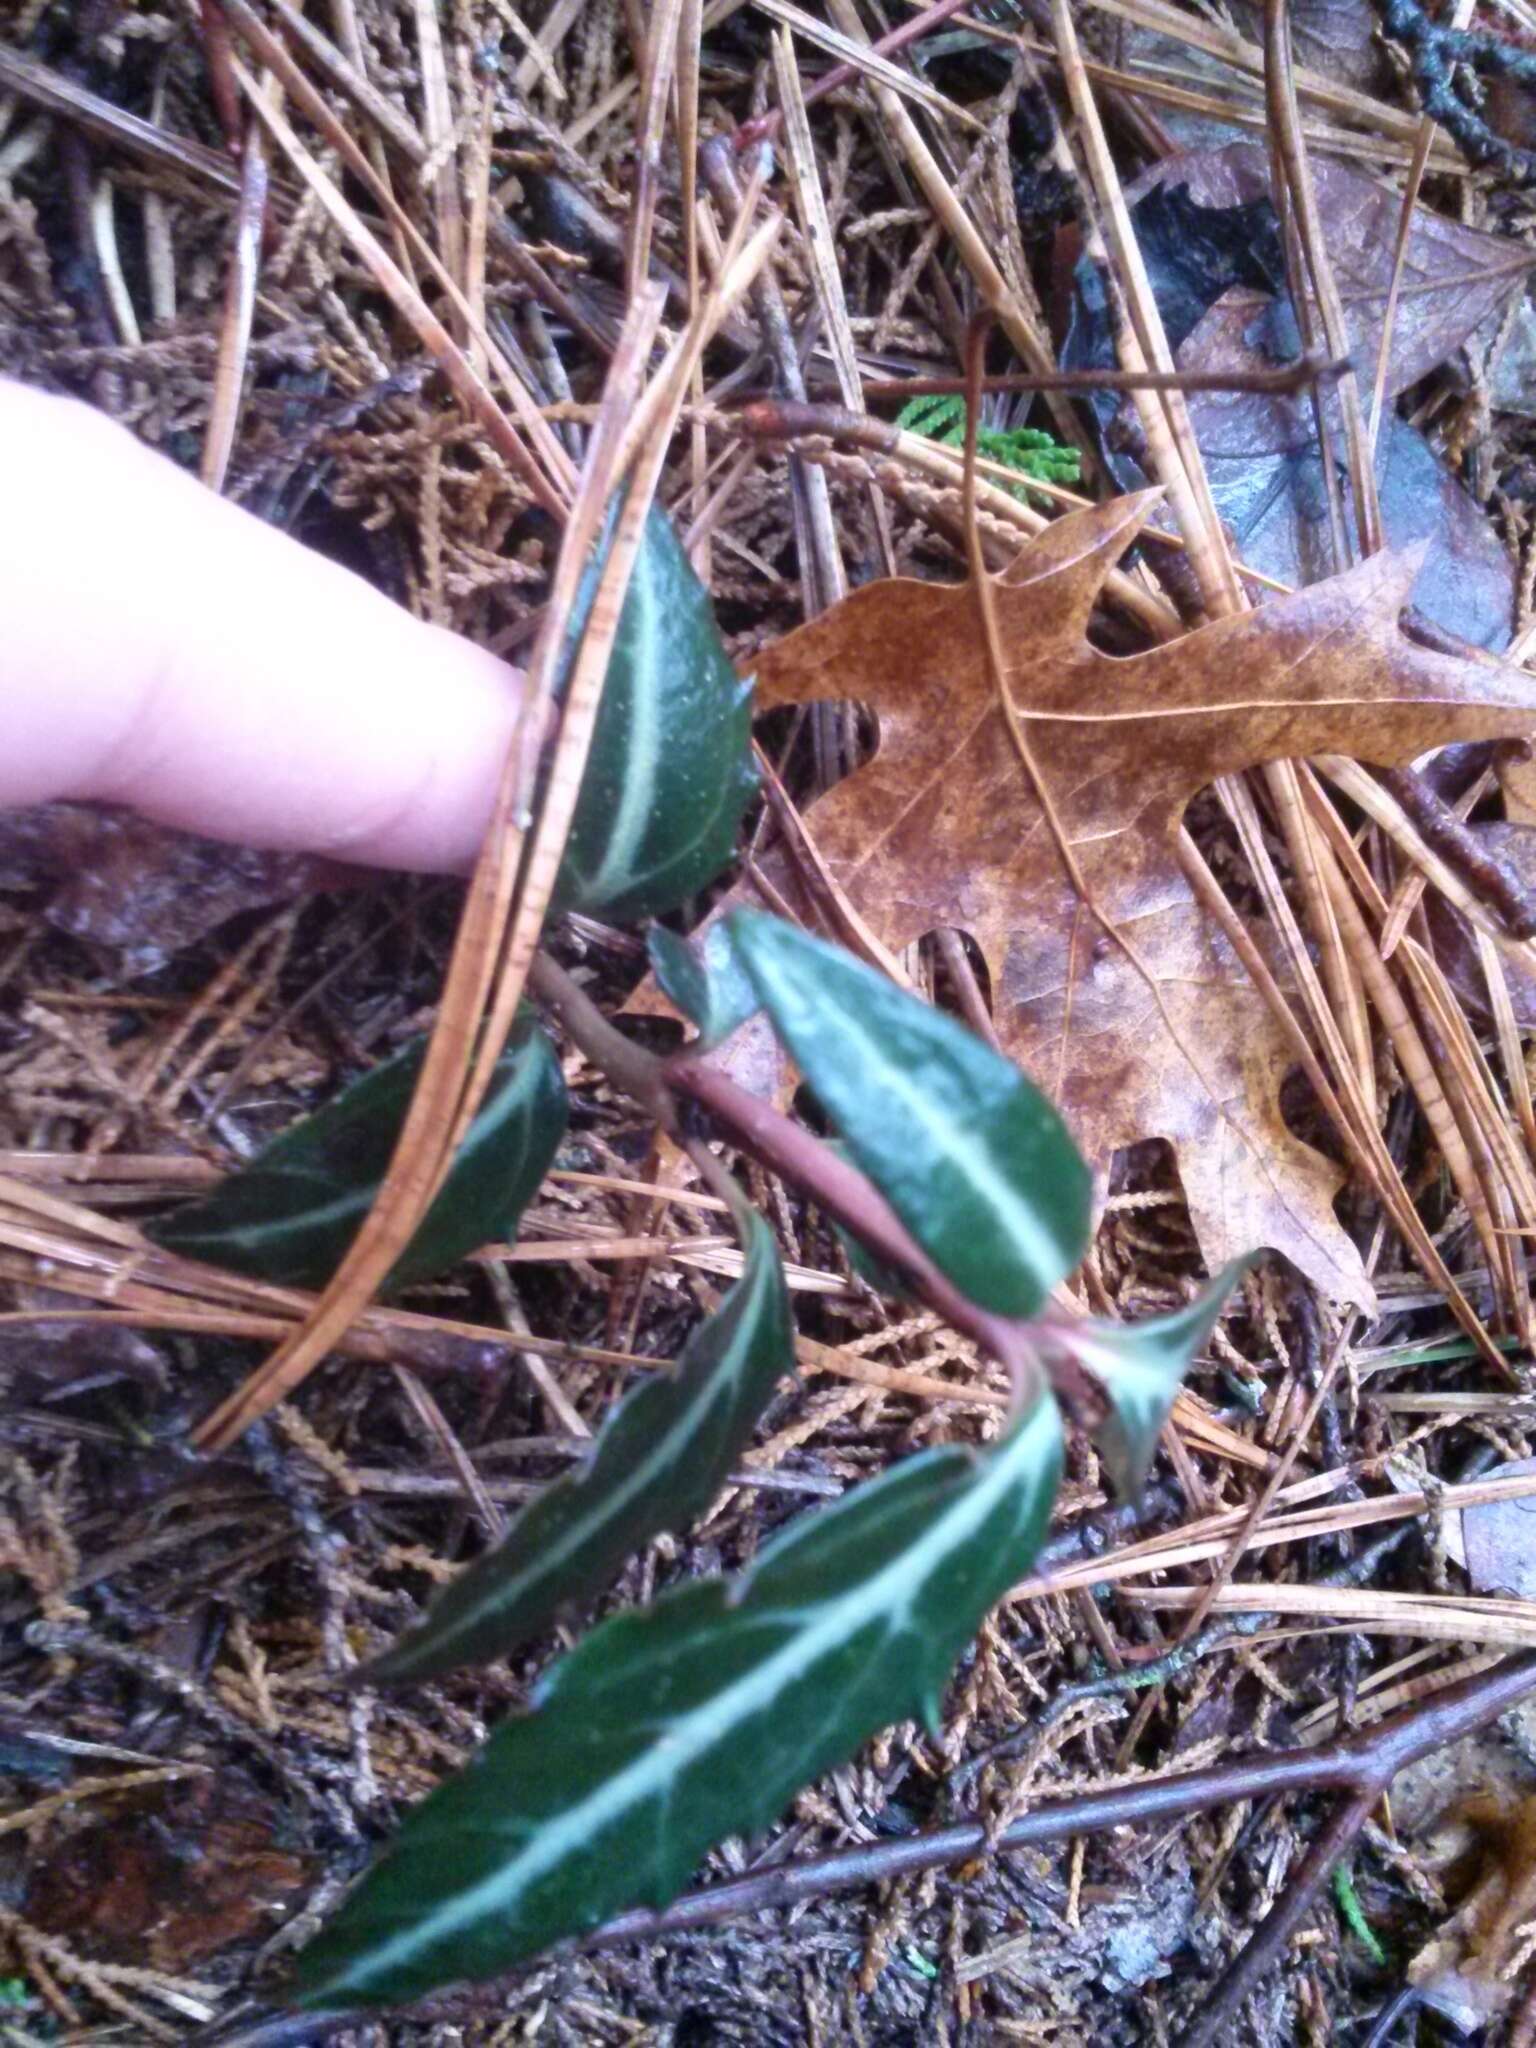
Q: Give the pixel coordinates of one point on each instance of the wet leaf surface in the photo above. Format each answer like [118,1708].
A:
[663,1454]
[115,880]
[704,979]
[696,1718]
[291,1213]
[969,1154]
[1141,1367]
[670,771]
[944,828]
[1206,228]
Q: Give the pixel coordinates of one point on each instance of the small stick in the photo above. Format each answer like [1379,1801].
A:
[1362,1766]
[766,126]
[1310,366]
[1461,850]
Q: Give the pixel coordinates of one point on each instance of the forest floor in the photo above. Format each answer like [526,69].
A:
[187,1786]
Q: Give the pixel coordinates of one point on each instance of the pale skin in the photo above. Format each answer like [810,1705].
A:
[162,649]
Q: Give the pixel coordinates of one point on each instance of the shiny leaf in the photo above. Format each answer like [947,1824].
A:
[660,1460]
[669,774]
[969,1154]
[945,827]
[703,978]
[1141,1366]
[290,1215]
[697,1718]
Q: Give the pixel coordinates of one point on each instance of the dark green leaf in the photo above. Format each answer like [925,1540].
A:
[1141,1366]
[697,1718]
[660,1460]
[969,1154]
[670,773]
[703,978]
[290,1215]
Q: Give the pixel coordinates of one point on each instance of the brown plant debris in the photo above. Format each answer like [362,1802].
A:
[1162,1036]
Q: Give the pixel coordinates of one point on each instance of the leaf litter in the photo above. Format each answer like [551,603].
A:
[240,1596]
[1216,266]
[942,828]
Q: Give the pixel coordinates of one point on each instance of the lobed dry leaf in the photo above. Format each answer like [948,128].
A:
[945,827]
[1455,278]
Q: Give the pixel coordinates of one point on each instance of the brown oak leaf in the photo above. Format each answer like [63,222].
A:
[943,827]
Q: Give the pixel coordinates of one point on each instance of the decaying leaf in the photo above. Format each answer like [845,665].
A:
[1468,1971]
[1209,238]
[946,827]
[1467,1812]
[1454,277]
[173,1875]
[142,890]
[1514,847]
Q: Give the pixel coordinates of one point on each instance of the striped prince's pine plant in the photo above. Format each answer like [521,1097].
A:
[701,1715]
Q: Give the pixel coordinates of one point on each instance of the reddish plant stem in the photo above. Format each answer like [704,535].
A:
[843,1192]
[1264,1947]
[1360,1765]
[221,77]
[838,1187]
[776,418]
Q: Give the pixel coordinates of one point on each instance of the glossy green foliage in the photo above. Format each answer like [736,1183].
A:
[670,773]
[969,1154]
[703,978]
[697,1718]
[662,1456]
[1141,1366]
[290,1215]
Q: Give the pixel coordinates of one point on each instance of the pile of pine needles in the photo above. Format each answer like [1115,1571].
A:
[415,287]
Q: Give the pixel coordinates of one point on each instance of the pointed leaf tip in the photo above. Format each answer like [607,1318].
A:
[704,979]
[972,1157]
[697,1718]
[660,1459]
[290,1214]
[1141,1367]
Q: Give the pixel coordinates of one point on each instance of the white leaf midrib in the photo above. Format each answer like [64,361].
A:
[663,1452]
[894,1588]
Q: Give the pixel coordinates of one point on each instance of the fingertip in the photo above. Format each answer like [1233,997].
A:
[162,648]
